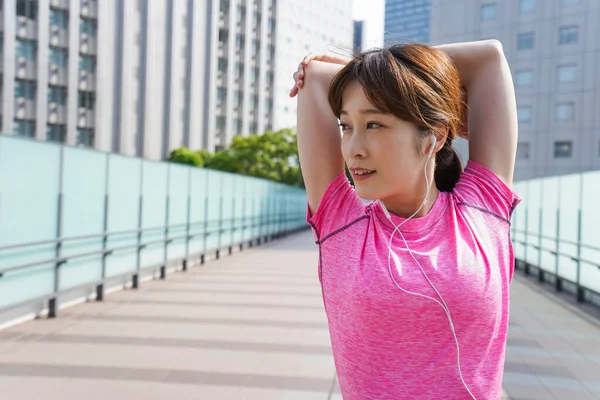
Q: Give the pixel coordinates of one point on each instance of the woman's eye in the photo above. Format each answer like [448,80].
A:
[344,127]
[373,125]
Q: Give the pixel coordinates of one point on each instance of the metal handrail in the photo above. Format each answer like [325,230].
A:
[118,233]
[62,260]
[583,245]
[559,253]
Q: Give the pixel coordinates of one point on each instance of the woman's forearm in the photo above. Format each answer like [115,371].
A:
[312,101]
[471,57]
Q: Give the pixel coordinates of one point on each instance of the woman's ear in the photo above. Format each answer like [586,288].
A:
[440,132]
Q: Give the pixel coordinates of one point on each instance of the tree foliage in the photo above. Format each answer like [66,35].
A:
[272,155]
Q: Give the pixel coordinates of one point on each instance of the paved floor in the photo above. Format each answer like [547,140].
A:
[252,326]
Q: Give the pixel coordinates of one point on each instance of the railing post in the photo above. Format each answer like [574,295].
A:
[526,239]
[252,224]
[217,254]
[233,223]
[540,226]
[580,291]
[53,301]
[163,267]
[205,233]
[135,284]
[557,279]
[243,232]
[100,287]
[187,226]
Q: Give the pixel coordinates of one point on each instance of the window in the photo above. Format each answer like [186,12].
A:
[525,41]
[57,94]
[255,47]
[87,63]
[524,78]
[526,6]
[27,9]
[238,126]
[268,105]
[56,133]
[220,122]
[255,20]
[269,78]
[223,35]
[224,6]
[565,73]
[221,95]
[564,111]
[563,149]
[523,150]
[241,13]
[239,70]
[88,27]
[58,56]
[255,75]
[488,12]
[568,34]
[253,128]
[25,89]
[59,18]
[239,42]
[271,26]
[24,128]
[86,100]
[222,64]
[238,99]
[253,102]
[26,49]
[85,137]
[524,114]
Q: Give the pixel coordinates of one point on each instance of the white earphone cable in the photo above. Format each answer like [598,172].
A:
[443,302]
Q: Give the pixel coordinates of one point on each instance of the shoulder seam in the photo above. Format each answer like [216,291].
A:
[321,241]
[493,214]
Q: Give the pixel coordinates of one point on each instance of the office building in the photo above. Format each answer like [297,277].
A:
[407,21]
[553,48]
[121,76]
[144,77]
[358,35]
[317,26]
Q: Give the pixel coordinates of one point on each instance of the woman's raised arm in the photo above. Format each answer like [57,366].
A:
[319,138]
[492,112]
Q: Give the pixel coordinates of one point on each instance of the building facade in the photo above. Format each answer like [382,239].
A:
[553,48]
[144,77]
[121,76]
[407,21]
[308,26]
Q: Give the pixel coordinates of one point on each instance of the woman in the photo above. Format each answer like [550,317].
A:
[415,283]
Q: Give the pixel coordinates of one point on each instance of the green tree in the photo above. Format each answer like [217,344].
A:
[183,155]
[272,155]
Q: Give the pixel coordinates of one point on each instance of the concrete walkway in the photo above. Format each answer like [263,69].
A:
[252,326]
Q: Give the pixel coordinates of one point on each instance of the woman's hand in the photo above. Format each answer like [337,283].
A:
[299,74]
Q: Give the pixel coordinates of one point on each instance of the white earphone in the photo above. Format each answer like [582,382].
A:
[397,229]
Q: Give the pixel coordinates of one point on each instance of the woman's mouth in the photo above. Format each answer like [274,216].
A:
[361,174]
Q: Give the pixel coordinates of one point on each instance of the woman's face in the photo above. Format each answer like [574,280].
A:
[380,151]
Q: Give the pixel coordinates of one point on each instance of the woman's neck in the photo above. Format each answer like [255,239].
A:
[404,208]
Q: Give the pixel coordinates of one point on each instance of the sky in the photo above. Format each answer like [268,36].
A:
[372,12]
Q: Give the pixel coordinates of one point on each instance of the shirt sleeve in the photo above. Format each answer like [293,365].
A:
[339,207]
[479,187]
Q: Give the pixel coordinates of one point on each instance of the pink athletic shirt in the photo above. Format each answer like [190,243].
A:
[391,345]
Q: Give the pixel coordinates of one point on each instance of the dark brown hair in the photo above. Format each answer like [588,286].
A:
[416,83]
